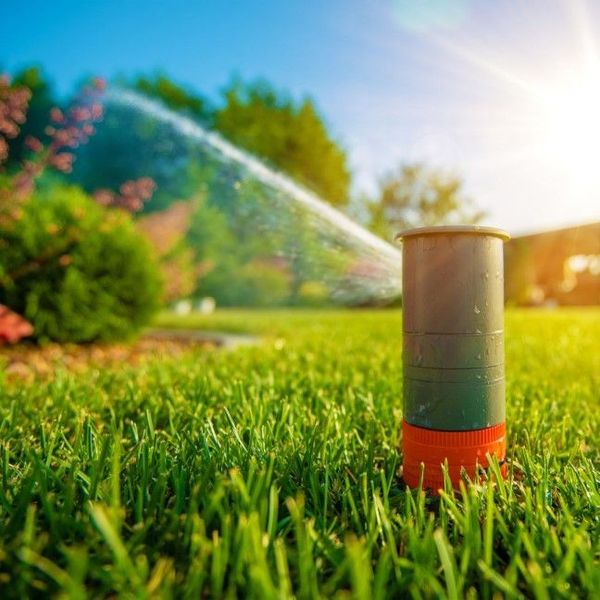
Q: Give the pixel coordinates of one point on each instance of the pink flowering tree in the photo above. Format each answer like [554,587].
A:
[131,196]
[66,130]
[13,111]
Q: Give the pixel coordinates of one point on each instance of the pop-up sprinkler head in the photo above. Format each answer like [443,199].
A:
[453,352]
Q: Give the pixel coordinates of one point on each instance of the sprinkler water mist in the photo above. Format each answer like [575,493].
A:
[453,351]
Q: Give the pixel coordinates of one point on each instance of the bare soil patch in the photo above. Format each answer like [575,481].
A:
[27,361]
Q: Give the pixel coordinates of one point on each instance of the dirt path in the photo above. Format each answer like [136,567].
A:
[27,361]
[216,338]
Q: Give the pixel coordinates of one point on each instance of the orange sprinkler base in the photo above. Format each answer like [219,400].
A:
[462,449]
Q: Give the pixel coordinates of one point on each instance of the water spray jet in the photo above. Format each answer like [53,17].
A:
[145,138]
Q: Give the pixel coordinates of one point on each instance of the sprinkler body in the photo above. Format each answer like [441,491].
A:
[453,351]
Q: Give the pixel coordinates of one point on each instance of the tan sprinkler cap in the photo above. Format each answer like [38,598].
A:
[443,229]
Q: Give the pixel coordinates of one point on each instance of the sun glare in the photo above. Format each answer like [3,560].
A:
[547,129]
[571,123]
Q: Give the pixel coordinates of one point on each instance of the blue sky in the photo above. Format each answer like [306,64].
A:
[462,85]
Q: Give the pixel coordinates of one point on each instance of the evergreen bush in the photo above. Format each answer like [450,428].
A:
[78,272]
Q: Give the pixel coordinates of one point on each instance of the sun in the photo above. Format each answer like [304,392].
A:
[571,128]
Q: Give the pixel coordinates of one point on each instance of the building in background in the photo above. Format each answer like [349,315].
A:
[560,267]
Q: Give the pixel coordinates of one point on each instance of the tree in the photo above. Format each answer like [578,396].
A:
[132,143]
[415,195]
[38,113]
[174,95]
[290,135]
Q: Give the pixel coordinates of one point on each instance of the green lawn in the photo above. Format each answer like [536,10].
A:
[272,471]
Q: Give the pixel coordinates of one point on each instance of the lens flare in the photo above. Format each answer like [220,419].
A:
[571,116]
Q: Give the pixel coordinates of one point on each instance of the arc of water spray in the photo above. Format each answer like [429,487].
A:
[262,172]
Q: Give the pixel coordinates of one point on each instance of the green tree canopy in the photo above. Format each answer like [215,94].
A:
[290,135]
[414,195]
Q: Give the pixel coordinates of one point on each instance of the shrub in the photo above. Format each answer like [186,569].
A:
[261,284]
[166,231]
[313,293]
[254,284]
[76,271]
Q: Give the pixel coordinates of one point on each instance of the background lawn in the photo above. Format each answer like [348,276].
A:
[273,470]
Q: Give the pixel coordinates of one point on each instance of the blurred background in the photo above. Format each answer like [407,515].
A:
[197,155]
